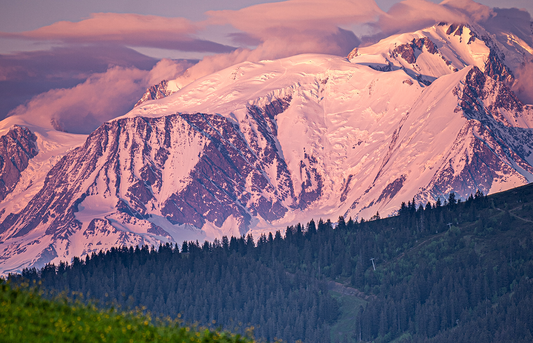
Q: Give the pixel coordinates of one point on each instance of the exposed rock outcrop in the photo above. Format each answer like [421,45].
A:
[408,51]
[17,147]
[155,92]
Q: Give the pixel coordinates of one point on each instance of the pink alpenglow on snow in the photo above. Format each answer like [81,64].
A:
[263,115]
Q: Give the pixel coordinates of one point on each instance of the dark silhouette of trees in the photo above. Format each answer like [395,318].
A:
[460,272]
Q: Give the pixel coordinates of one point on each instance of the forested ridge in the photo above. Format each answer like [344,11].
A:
[458,271]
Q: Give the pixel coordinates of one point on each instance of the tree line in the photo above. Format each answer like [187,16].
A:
[457,270]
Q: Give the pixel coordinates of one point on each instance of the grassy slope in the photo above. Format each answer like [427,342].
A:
[344,327]
[26,317]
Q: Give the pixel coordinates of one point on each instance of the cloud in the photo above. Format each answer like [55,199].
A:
[291,27]
[523,87]
[412,15]
[286,28]
[26,74]
[474,11]
[126,29]
[241,38]
[340,42]
[511,20]
[211,64]
[167,69]
[268,19]
[103,96]
[76,61]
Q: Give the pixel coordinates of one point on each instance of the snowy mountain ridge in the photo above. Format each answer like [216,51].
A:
[159,91]
[443,49]
[259,146]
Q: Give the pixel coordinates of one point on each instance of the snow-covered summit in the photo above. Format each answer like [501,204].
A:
[259,146]
[443,49]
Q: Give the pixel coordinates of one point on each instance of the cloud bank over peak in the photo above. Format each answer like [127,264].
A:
[287,28]
[101,97]
[412,15]
[298,26]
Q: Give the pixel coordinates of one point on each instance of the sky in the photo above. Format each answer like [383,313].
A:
[80,63]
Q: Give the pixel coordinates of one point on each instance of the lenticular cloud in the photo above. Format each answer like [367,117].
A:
[300,15]
[126,29]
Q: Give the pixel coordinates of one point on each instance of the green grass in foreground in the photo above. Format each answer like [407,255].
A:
[27,317]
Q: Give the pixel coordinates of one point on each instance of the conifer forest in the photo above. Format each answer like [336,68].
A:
[458,271]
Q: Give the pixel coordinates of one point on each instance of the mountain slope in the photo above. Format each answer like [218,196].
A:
[259,146]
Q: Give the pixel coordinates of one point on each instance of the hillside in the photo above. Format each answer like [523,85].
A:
[455,272]
[25,316]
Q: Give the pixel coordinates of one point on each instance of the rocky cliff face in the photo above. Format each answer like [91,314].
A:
[17,147]
[144,165]
[408,51]
[141,167]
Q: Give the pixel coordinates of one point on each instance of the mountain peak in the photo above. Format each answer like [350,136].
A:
[259,146]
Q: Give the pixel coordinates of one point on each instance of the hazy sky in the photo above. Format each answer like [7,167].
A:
[27,15]
[23,15]
[58,56]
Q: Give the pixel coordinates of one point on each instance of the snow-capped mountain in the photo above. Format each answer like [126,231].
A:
[259,146]
[444,49]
